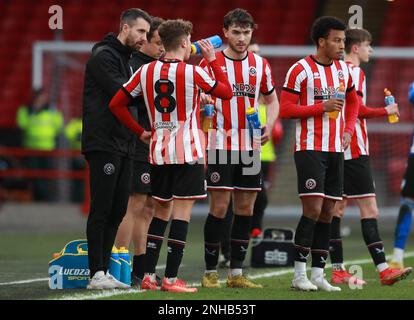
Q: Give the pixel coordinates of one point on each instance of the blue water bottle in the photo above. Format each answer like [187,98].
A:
[115,264]
[254,123]
[215,41]
[411,93]
[125,261]
[389,99]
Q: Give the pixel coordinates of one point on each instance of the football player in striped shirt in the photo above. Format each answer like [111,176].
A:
[358,181]
[309,96]
[171,90]
[231,151]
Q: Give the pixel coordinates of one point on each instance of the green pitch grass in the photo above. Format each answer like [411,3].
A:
[26,257]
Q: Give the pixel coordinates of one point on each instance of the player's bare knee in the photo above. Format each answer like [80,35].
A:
[312,210]
[148,210]
[368,208]
[219,210]
[244,208]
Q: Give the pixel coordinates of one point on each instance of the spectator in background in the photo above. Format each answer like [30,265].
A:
[41,127]
[73,133]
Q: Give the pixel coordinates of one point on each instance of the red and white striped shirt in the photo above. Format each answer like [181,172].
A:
[316,83]
[359,144]
[171,92]
[248,78]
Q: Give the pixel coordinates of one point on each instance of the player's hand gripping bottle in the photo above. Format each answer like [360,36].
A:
[215,41]
[389,99]
[340,95]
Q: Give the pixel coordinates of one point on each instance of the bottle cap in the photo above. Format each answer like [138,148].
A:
[114,250]
[123,250]
[193,49]
[250,110]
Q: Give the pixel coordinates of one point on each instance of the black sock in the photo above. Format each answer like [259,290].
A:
[176,245]
[239,240]
[259,208]
[320,245]
[155,237]
[226,231]
[335,243]
[212,233]
[373,241]
[303,238]
[138,266]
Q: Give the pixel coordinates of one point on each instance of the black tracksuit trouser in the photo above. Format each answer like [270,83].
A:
[110,182]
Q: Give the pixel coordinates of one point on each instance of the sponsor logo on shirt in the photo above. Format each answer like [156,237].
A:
[244,90]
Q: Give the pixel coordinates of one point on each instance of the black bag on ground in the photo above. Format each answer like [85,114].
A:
[274,249]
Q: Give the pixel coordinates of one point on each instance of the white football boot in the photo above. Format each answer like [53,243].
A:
[322,284]
[301,282]
[118,284]
[100,281]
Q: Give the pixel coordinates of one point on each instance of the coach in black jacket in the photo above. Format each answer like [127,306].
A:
[106,143]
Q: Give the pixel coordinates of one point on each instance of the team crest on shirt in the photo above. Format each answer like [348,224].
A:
[252,71]
[145,178]
[109,169]
[215,177]
[340,75]
[310,184]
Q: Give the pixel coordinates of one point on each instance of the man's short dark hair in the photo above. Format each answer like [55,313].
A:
[356,36]
[172,32]
[323,25]
[155,24]
[240,18]
[130,15]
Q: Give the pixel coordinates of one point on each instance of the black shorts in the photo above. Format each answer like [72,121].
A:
[234,170]
[358,181]
[320,173]
[178,181]
[407,186]
[141,177]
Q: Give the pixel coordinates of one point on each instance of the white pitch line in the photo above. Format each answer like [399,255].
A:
[23,281]
[45,279]
[112,293]
[105,294]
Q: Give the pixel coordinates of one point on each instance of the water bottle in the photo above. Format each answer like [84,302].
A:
[115,264]
[254,123]
[125,261]
[411,93]
[389,99]
[208,117]
[340,94]
[215,41]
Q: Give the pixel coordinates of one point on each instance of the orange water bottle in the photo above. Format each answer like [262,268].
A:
[208,117]
[340,94]
[389,99]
